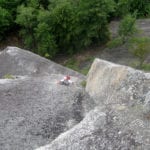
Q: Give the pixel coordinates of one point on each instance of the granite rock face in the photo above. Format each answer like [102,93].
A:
[125,91]
[36,113]
[97,131]
[34,109]
[111,83]
[16,61]
[118,121]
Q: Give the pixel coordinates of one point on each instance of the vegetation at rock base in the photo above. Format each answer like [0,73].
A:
[8,76]
[65,26]
[126,31]
[75,64]
[83,83]
[127,34]
[140,47]
[142,7]
[115,42]
[127,27]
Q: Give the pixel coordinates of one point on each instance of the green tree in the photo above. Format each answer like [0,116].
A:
[27,19]
[62,24]
[92,20]
[5,21]
[142,7]
[122,7]
[45,43]
[8,10]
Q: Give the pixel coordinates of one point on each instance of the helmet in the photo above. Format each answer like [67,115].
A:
[67,77]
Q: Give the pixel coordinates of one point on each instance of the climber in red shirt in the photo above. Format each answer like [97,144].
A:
[65,81]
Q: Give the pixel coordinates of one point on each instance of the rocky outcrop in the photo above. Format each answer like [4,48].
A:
[119,121]
[36,113]
[34,109]
[98,131]
[111,83]
[16,61]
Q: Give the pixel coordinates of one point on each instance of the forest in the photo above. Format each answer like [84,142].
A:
[50,27]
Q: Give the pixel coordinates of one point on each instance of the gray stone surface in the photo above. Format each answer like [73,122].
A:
[146,106]
[16,61]
[36,113]
[35,110]
[118,122]
[98,131]
[111,83]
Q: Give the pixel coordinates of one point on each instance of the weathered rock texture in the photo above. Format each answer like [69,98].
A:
[16,61]
[111,83]
[38,114]
[34,109]
[119,121]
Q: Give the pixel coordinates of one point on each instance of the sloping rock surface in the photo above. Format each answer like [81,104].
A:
[34,109]
[16,61]
[119,122]
[36,113]
[111,83]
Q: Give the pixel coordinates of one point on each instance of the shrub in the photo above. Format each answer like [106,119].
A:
[146,67]
[122,7]
[65,26]
[142,7]
[127,27]
[8,76]
[140,47]
[62,24]
[45,42]
[5,21]
[92,21]
[27,19]
[8,9]
[83,83]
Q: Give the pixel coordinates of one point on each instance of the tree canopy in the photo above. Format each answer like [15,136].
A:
[48,27]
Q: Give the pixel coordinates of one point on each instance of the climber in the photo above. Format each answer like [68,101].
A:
[65,81]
